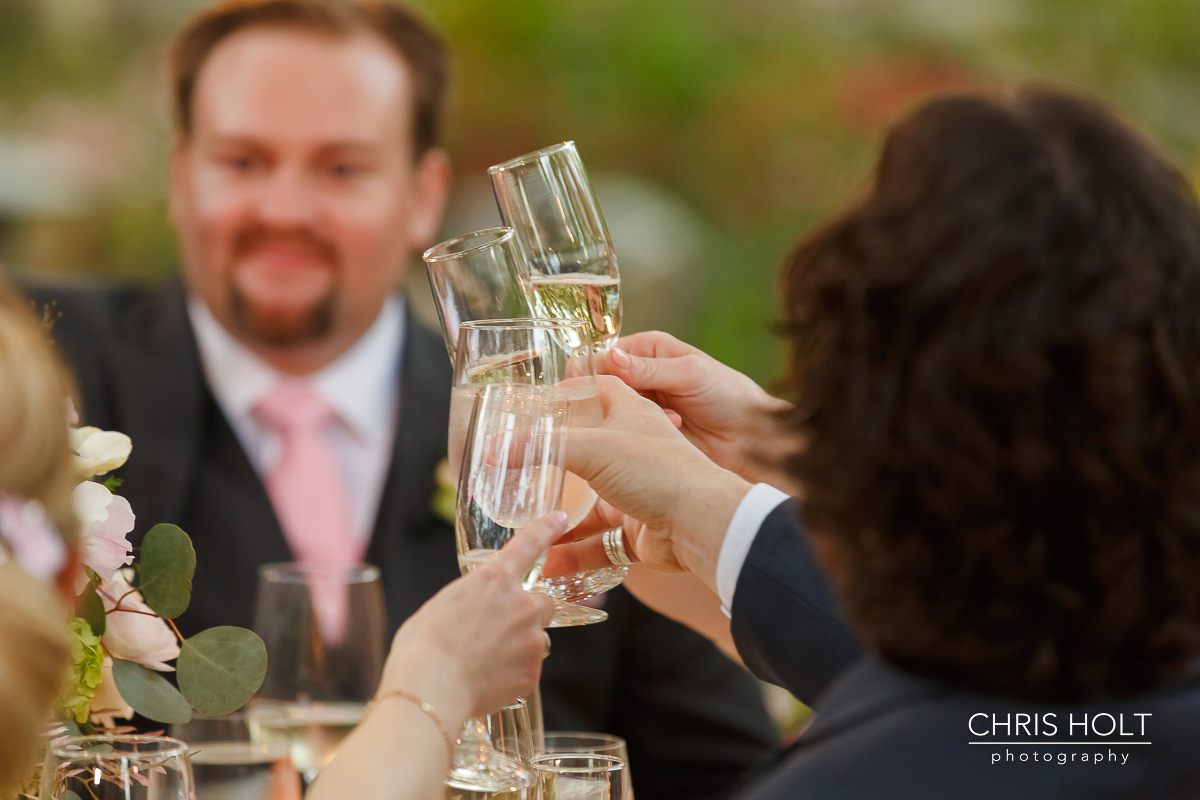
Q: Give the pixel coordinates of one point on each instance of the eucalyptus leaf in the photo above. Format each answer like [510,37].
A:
[165,569]
[150,694]
[221,668]
[91,610]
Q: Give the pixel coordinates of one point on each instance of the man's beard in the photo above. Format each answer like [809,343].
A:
[283,329]
[276,327]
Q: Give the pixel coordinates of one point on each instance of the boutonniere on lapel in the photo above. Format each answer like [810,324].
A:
[445,493]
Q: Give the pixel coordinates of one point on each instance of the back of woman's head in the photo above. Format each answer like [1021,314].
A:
[35,465]
[997,366]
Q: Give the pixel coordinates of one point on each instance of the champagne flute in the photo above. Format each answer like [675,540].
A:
[476,276]
[551,354]
[112,767]
[545,197]
[580,776]
[511,476]
[320,682]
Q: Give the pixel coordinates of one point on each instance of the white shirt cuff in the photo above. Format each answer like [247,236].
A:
[758,503]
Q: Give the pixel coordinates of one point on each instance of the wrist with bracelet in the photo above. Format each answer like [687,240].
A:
[425,708]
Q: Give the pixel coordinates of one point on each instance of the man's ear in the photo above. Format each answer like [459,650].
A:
[434,176]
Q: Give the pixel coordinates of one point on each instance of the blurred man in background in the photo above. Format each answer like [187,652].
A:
[283,403]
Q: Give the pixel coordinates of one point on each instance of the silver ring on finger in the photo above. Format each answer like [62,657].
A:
[614,547]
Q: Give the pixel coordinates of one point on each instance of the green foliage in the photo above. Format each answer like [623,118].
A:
[165,568]
[149,693]
[760,115]
[221,668]
[91,609]
[87,670]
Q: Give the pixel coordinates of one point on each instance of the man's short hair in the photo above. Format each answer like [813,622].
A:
[413,40]
[996,358]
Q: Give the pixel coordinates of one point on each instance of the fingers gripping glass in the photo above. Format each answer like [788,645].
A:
[555,356]
[512,474]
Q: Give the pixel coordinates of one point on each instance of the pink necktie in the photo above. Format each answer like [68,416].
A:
[308,495]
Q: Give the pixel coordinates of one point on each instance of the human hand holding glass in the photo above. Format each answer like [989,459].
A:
[555,357]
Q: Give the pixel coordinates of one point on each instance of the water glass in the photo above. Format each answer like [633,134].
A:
[323,626]
[589,742]
[240,756]
[117,767]
[580,776]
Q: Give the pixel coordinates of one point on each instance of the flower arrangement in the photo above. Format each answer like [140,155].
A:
[122,635]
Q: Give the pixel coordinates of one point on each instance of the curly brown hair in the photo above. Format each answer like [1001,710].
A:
[996,364]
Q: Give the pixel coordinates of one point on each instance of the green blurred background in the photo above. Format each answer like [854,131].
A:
[716,131]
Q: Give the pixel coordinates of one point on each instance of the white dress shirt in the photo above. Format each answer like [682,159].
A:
[362,386]
[755,507]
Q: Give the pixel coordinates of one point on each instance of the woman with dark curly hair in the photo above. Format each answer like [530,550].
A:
[995,370]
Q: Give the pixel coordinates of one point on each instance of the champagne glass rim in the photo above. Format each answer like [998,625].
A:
[522,323]
[442,250]
[589,763]
[536,155]
[296,572]
[74,748]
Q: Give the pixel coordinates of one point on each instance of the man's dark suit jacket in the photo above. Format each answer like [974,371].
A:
[694,721]
[880,732]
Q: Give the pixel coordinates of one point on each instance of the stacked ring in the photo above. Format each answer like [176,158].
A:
[614,547]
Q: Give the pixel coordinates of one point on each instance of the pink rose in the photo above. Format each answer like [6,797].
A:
[105,520]
[134,632]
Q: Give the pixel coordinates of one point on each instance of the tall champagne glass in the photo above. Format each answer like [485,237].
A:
[113,767]
[544,353]
[546,198]
[511,476]
[320,682]
[476,276]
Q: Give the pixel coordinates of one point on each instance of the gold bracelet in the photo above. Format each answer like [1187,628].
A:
[425,707]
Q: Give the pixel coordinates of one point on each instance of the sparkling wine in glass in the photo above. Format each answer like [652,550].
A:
[546,198]
[504,738]
[476,276]
[319,684]
[552,354]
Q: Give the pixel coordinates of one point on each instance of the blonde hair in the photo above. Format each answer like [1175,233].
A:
[36,464]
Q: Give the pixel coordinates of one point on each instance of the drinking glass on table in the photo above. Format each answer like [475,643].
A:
[545,197]
[476,276]
[551,355]
[589,743]
[240,756]
[323,626]
[117,767]
[580,776]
